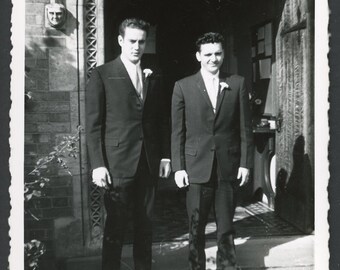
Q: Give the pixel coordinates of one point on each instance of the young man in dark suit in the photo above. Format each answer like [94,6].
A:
[211,147]
[128,143]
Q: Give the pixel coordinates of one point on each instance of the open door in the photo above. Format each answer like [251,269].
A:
[295,134]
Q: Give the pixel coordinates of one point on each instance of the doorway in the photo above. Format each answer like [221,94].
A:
[175,25]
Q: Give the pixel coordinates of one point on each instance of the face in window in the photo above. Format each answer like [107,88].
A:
[56,15]
[133,44]
[211,57]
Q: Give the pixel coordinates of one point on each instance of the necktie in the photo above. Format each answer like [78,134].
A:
[214,93]
[139,86]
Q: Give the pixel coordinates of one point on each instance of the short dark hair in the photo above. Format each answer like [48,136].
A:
[133,23]
[210,37]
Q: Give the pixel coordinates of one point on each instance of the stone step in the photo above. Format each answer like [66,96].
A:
[279,252]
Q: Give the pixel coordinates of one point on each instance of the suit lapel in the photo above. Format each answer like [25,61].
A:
[203,90]
[146,82]
[222,92]
[145,87]
[122,71]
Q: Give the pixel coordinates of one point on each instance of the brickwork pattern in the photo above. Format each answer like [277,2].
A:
[50,79]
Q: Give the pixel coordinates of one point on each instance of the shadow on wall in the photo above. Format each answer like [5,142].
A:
[295,191]
[50,113]
[71,26]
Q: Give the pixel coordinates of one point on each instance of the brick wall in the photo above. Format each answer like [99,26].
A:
[52,78]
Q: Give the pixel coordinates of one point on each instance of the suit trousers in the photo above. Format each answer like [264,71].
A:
[200,198]
[131,196]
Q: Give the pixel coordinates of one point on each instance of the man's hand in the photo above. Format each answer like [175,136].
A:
[101,177]
[164,168]
[243,173]
[181,179]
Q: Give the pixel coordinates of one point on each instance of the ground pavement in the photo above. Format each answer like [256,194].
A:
[263,240]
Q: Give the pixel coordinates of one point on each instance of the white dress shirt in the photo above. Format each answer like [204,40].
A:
[132,69]
[211,82]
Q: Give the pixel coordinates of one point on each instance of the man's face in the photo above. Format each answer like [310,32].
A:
[211,57]
[132,44]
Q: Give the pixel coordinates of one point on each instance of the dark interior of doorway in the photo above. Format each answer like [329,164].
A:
[178,24]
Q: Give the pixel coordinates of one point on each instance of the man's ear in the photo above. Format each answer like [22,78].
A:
[198,56]
[120,40]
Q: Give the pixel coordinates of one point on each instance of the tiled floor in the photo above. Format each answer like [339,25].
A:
[263,240]
[252,220]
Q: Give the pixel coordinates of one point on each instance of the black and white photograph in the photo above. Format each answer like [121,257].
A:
[169,135]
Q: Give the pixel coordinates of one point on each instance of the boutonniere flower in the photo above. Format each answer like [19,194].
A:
[258,101]
[224,86]
[147,72]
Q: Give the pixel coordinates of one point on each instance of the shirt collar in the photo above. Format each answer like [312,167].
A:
[208,76]
[128,64]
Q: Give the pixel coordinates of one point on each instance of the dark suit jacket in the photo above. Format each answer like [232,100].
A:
[198,133]
[118,123]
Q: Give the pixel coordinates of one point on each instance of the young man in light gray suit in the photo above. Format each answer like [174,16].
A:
[211,147]
[128,142]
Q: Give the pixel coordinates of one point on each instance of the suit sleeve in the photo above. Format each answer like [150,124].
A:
[178,129]
[164,119]
[247,148]
[94,111]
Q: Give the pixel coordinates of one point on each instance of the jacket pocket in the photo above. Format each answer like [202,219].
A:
[190,151]
[112,142]
[234,150]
